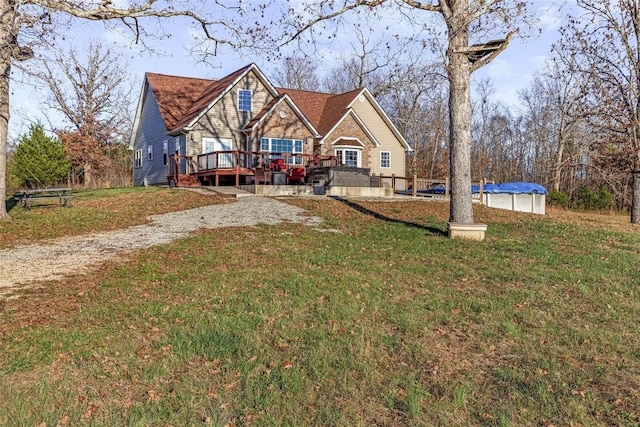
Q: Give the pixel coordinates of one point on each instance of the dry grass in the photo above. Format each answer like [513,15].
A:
[95,211]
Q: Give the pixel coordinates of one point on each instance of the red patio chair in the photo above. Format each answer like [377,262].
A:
[296,175]
[277,165]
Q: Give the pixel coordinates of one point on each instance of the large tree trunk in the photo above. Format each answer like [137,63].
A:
[6,42]
[635,197]
[459,73]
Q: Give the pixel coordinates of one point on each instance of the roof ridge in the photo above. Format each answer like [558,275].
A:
[177,76]
[305,91]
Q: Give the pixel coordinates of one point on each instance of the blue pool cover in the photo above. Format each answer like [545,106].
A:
[512,188]
[505,188]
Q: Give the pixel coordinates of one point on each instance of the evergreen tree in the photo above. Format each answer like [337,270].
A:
[39,160]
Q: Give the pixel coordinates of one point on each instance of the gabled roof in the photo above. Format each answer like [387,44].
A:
[326,110]
[182,101]
[348,142]
[217,90]
[208,97]
[323,110]
[175,95]
[365,92]
[271,106]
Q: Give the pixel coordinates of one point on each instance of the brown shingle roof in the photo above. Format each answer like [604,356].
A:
[182,99]
[208,96]
[175,95]
[335,109]
[322,109]
[262,113]
[347,142]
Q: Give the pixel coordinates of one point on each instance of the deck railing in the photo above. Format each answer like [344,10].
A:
[249,160]
[252,159]
[183,165]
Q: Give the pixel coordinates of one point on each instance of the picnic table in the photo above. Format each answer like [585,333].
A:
[26,197]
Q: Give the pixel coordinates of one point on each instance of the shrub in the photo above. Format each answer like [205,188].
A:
[558,198]
[586,199]
[39,160]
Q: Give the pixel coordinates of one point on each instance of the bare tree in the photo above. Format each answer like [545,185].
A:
[26,24]
[94,96]
[298,73]
[552,108]
[484,109]
[369,64]
[605,43]
[91,90]
[417,103]
[463,18]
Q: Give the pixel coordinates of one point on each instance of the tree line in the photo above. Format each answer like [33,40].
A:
[547,137]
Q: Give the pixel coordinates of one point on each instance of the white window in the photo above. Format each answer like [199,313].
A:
[282,146]
[244,100]
[177,145]
[351,157]
[385,159]
[165,152]
[149,152]
[137,158]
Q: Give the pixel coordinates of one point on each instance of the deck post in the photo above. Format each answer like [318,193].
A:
[237,168]
[446,188]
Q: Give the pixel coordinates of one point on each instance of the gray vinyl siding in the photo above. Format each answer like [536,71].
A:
[151,132]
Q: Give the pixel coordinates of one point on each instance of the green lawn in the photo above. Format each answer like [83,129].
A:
[376,319]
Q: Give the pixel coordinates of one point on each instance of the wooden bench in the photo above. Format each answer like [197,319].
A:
[26,197]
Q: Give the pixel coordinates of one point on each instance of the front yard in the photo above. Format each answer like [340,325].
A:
[375,319]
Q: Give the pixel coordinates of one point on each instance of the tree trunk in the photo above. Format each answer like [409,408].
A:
[557,169]
[635,197]
[459,74]
[6,25]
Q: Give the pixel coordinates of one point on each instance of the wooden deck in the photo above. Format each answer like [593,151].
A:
[232,167]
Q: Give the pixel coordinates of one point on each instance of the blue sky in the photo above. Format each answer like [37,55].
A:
[509,73]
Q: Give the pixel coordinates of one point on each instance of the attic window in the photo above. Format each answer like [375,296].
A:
[244,100]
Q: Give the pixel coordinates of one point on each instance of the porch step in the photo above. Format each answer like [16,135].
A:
[187,181]
[228,191]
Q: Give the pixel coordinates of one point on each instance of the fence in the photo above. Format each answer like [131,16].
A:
[424,187]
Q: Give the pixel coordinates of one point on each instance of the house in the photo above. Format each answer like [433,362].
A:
[221,132]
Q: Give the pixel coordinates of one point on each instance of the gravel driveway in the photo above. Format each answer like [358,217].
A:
[24,266]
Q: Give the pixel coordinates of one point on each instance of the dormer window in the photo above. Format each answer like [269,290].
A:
[244,100]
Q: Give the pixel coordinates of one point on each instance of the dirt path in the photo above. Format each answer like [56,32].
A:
[25,266]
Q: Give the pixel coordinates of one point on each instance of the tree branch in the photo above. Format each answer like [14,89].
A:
[349,7]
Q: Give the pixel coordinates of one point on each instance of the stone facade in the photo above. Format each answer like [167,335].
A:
[349,127]
[282,122]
